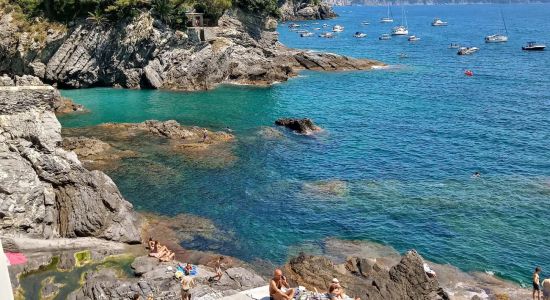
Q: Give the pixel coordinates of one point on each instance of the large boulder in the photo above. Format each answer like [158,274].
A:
[45,192]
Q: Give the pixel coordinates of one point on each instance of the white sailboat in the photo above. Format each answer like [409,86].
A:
[498,38]
[401,29]
[389,18]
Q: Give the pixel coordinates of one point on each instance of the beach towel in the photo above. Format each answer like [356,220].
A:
[193,272]
[16,258]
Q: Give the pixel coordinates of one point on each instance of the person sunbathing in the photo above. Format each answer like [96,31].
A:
[279,289]
[336,291]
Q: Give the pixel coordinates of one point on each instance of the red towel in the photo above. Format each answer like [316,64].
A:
[16,258]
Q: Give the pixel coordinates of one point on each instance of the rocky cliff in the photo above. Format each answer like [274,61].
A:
[45,192]
[143,53]
[297,10]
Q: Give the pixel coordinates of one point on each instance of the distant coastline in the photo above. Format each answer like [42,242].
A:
[427,2]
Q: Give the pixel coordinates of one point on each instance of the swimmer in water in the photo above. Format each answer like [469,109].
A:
[476,175]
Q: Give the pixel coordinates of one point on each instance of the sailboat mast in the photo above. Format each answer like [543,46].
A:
[503,22]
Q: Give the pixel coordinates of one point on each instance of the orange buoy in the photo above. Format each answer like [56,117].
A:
[468,73]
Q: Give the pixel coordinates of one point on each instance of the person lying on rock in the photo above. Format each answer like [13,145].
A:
[336,291]
[279,289]
[168,255]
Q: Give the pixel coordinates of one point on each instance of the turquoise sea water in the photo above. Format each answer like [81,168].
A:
[403,141]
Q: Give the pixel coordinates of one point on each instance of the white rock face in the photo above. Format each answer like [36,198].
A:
[44,190]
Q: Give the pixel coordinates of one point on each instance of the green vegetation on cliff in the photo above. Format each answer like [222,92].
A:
[171,12]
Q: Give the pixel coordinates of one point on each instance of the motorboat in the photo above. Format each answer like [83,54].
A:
[325,25]
[400,30]
[306,34]
[359,35]
[365,23]
[533,46]
[384,37]
[413,38]
[316,28]
[496,38]
[388,18]
[403,55]
[293,25]
[439,22]
[338,28]
[327,35]
[467,50]
[301,31]
[454,46]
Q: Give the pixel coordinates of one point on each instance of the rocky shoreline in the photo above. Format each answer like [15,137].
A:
[57,213]
[144,53]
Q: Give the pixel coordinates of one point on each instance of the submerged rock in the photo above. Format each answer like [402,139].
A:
[336,188]
[302,126]
[44,190]
[96,154]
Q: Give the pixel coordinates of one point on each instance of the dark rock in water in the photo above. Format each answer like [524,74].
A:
[302,126]
[366,279]
[45,192]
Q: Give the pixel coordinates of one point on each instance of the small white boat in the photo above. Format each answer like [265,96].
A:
[400,30]
[338,28]
[384,37]
[306,34]
[301,31]
[325,25]
[533,46]
[327,35]
[496,38]
[365,23]
[359,35]
[413,38]
[293,25]
[467,50]
[439,22]
[403,55]
[316,28]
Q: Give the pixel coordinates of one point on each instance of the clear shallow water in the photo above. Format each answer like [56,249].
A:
[404,141]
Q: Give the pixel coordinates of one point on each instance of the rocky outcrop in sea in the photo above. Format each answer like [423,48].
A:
[45,192]
[144,53]
[298,10]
